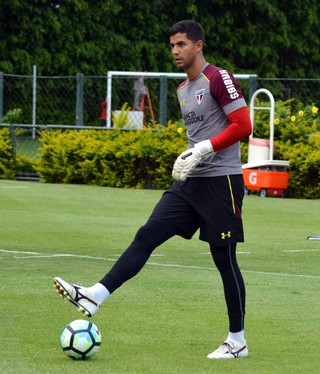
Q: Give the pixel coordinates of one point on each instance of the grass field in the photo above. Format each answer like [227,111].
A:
[172,314]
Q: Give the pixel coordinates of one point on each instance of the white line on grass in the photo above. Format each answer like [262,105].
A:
[244,271]
[29,253]
[238,253]
[40,255]
[300,250]
[69,255]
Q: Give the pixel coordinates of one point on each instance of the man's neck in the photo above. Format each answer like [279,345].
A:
[196,69]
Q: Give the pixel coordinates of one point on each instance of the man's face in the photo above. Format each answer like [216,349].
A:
[184,50]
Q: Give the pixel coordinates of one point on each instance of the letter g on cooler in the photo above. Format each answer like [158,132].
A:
[253,178]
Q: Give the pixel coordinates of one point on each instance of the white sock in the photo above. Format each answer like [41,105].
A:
[99,292]
[237,336]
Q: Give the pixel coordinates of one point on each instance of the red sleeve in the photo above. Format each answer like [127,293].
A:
[239,128]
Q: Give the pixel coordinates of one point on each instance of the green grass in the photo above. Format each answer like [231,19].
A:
[172,314]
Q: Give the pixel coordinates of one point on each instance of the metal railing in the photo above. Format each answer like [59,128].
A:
[76,100]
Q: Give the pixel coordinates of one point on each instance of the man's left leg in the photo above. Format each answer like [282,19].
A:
[235,296]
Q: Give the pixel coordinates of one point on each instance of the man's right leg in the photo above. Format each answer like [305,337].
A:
[148,237]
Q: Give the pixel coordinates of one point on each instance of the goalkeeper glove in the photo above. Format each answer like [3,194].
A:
[189,159]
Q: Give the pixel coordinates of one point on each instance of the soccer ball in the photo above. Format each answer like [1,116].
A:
[80,339]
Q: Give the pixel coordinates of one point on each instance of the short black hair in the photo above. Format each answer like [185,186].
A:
[192,29]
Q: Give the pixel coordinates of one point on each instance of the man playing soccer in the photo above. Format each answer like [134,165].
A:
[207,192]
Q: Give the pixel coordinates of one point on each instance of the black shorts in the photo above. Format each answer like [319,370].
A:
[212,204]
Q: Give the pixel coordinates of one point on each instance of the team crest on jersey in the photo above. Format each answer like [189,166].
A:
[199,95]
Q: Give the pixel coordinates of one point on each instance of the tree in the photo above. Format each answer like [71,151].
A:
[268,37]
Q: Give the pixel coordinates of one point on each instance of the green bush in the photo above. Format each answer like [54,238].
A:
[7,164]
[297,134]
[144,158]
[304,166]
[13,116]
[25,165]
[137,159]
[292,121]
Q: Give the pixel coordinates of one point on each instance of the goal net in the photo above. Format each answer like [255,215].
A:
[160,104]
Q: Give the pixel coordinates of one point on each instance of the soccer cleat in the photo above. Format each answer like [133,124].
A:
[78,296]
[230,349]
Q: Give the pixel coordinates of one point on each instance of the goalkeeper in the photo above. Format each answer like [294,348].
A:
[207,191]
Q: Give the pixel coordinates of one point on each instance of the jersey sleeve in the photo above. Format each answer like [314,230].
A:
[225,89]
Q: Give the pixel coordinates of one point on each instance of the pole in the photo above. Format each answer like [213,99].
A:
[109,98]
[34,101]
[1,95]
[79,104]
[163,100]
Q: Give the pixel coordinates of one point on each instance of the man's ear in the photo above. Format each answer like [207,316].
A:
[199,45]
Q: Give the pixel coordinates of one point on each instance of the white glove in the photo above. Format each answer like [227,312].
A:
[189,159]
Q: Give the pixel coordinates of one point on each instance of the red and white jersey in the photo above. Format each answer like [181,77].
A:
[205,103]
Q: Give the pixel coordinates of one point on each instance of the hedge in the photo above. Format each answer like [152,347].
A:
[7,164]
[135,159]
[144,158]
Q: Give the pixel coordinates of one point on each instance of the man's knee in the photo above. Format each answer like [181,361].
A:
[155,232]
